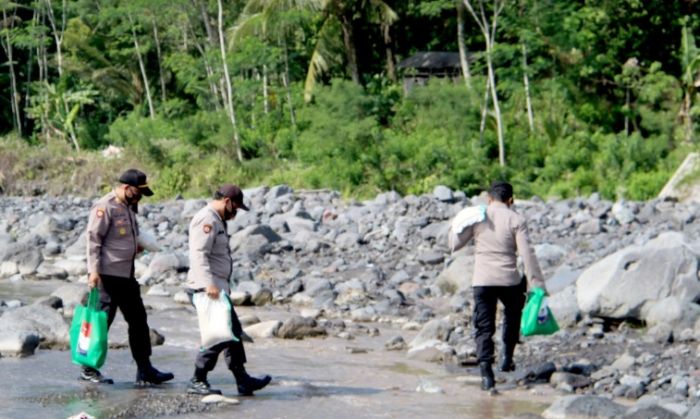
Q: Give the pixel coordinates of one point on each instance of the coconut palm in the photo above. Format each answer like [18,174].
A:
[338,16]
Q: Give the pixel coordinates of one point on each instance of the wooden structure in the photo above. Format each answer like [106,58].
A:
[422,66]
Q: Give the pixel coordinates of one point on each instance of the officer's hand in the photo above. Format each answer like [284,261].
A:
[212,291]
[93,279]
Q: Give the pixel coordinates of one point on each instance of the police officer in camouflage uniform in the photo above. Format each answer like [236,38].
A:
[112,245]
[210,269]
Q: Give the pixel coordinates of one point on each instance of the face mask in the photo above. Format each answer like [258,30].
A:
[229,214]
[132,198]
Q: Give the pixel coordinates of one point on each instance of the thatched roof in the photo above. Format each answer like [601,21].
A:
[431,60]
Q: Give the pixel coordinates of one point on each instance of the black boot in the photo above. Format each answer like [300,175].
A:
[200,385]
[488,382]
[94,376]
[507,363]
[149,375]
[247,384]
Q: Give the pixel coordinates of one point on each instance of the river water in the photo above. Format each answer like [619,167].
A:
[312,378]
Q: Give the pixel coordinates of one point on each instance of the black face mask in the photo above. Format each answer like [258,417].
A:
[133,200]
[229,214]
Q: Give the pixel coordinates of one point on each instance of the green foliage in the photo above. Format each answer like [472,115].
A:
[612,112]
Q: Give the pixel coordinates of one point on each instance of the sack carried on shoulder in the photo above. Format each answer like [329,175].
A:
[537,318]
[214,317]
[88,333]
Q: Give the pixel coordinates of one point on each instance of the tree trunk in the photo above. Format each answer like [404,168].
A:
[390,64]
[14,99]
[266,102]
[285,81]
[528,101]
[58,37]
[484,112]
[229,89]
[207,67]
[489,32]
[687,104]
[151,111]
[463,60]
[350,49]
[160,67]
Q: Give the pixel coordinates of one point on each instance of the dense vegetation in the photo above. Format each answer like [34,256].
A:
[591,95]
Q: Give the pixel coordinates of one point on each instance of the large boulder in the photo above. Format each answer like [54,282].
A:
[300,327]
[564,308]
[71,295]
[458,275]
[436,329]
[620,285]
[41,320]
[589,407]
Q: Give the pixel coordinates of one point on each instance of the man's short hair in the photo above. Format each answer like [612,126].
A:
[501,191]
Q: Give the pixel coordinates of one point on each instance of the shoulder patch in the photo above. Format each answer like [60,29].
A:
[207,228]
[100,213]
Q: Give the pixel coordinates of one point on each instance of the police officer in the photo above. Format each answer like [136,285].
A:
[112,245]
[210,269]
[498,240]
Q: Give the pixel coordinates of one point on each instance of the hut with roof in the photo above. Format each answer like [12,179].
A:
[423,66]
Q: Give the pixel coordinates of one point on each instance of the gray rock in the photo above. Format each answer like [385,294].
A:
[397,343]
[299,328]
[647,412]
[431,257]
[569,382]
[590,227]
[443,193]
[570,407]
[40,320]
[437,329]
[347,240]
[264,330]
[431,351]
[17,343]
[458,274]
[564,307]
[71,295]
[621,284]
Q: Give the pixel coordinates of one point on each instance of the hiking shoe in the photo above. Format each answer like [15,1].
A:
[94,376]
[201,387]
[247,384]
[152,376]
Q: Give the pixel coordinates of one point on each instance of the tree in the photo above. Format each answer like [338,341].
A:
[229,90]
[690,62]
[488,30]
[343,13]
[7,30]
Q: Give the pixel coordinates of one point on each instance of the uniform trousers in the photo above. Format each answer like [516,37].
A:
[125,294]
[234,353]
[485,303]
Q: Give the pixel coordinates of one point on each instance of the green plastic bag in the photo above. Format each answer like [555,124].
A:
[88,333]
[537,318]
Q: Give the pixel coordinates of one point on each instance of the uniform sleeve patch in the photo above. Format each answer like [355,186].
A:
[100,213]
[207,228]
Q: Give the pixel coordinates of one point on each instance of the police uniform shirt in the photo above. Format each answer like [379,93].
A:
[112,237]
[210,255]
[498,240]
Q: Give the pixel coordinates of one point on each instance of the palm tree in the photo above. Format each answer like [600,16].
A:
[337,16]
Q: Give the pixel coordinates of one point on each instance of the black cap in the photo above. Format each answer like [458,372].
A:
[235,194]
[136,178]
